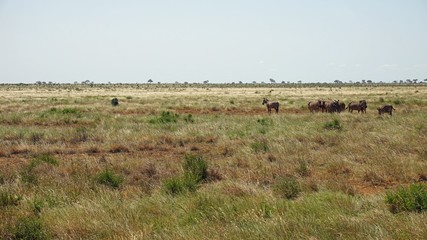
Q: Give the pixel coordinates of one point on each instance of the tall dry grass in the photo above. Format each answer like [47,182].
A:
[343,173]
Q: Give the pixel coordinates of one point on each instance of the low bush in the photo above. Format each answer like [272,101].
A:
[9,199]
[410,199]
[333,125]
[30,228]
[165,117]
[107,177]
[265,121]
[195,167]
[46,158]
[287,187]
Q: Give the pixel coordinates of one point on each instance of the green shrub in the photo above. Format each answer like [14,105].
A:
[333,125]
[166,117]
[173,186]
[46,158]
[9,199]
[260,146]
[303,169]
[28,176]
[265,121]
[411,199]
[108,178]
[195,167]
[30,228]
[287,187]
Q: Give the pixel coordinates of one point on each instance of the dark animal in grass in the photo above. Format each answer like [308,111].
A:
[359,106]
[331,106]
[270,105]
[341,107]
[315,106]
[114,101]
[386,109]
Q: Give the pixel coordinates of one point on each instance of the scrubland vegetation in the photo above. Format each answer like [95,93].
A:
[195,162]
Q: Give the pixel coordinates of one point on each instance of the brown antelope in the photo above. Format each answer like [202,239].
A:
[315,106]
[271,105]
[361,106]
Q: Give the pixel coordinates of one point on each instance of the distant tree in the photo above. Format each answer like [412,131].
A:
[176,82]
[299,81]
[425,80]
[369,81]
[272,80]
[401,81]
[254,82]
[408,80]
[240,82]
[415,80]
[395,81]
[150,81]
[363,81]
[38,83]
[185,83]
[283,82]
[206,82]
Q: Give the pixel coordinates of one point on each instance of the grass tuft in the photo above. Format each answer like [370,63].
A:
[165,117]
[333,125]
[410,199]
[108,178]
[9,199]
[195,167]
[30,228]
[287,187]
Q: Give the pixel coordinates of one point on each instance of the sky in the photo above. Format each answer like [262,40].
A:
[222,41]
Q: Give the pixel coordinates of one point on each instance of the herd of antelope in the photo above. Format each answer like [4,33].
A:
[333,106]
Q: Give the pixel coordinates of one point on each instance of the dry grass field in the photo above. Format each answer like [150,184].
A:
[208,162]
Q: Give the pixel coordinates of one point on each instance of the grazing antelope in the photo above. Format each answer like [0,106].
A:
[386,109]
[332,106]
[315,106]
[271,105]
[361,106]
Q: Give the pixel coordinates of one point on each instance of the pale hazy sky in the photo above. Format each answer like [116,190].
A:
[132,41]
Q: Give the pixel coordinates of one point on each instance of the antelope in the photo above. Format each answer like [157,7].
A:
[271,105]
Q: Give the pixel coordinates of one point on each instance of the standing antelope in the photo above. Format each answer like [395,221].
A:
[386,109]
[271,105]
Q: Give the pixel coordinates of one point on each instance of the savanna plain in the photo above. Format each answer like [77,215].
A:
[209,162]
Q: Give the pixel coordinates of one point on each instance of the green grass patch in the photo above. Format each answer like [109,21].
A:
[8,198]
[165,117]
[260,146]
[409,199]
[287,187]
[333,125]
[30,228]
[108,178]
[195,167]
